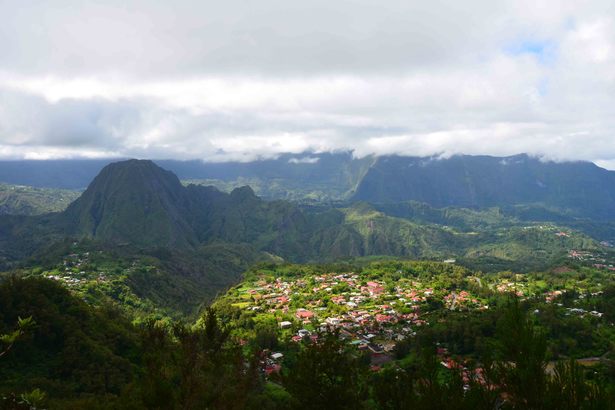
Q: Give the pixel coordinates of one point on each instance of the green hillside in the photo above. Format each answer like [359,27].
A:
[139,205]
[581,188]
[26,200]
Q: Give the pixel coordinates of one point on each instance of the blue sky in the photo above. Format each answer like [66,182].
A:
[544,51]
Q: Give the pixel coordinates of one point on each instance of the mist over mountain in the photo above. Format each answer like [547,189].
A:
[335,172]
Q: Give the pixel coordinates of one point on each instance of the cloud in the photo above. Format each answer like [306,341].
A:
[304,160]
[244,81]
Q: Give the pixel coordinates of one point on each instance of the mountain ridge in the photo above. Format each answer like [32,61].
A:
[579,188]
[137,203]
[483,181]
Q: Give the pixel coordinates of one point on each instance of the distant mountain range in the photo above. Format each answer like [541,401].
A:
[573,189]
[333,175]
[137,203]
[581,188]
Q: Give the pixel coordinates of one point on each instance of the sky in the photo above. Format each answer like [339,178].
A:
[246,80]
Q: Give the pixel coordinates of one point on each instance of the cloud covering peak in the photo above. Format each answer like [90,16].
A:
[244,80]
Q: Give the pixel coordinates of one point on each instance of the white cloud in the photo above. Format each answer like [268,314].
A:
[246,81]
[304,160]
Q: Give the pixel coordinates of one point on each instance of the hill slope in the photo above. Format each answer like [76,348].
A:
[26,200]
[138,204]
[135,202]
[481,181]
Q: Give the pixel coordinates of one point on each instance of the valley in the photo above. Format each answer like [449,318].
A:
[321,205]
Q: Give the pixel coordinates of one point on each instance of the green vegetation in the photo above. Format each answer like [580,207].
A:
[138,205]
[72,349]
[158,283]
[26,200]
[427,335]
[133,298]
[9,339]
[278,188]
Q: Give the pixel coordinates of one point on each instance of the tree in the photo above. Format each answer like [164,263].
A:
[197,367]
[326,375]
[393,388]
[29,400]
[521,358]
[9,339]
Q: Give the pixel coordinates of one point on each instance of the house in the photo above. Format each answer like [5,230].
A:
[383,318]
[304,314]
[374,288]
[277,356]
[338,300]
[285,324]
[375,348]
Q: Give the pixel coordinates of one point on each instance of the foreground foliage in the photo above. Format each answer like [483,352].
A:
[79,356]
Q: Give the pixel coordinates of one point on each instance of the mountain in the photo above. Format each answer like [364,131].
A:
[289,176]
[138,203]
[135,202]
[530,188]
[481,181]
[139,238]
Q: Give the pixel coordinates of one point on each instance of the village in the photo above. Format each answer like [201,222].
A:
[371,311]
[75,271]
[370,315]
[79,270]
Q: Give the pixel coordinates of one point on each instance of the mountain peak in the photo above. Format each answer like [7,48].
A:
[135,165]
[243,192]
[133,201]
